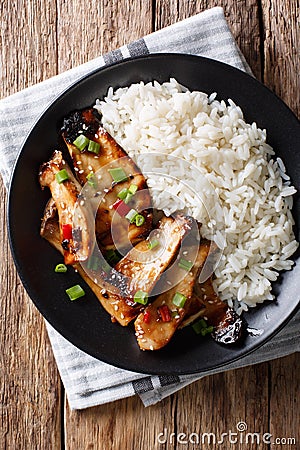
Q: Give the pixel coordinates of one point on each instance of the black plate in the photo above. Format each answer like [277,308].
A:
[84,322]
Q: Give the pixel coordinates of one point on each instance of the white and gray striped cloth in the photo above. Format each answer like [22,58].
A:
[87,381]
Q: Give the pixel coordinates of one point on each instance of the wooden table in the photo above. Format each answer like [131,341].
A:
[40,39]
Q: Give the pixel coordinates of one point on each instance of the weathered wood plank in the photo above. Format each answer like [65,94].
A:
[285,399]
[27,43]
[30,387]
[125,424]
[217,404]
[282,75]
[282,50]
[87,32]
[242,17]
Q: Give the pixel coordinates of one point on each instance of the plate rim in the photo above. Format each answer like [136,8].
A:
[51,105]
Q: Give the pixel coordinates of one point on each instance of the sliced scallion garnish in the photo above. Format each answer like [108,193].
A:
[153,243]
[207,330]
[93,262]
[179,300]
[94,147]
[92,180]
[141,297]
[61,176]
[123,193]
[60,268]
[139,220]
[131,215]
[128,197]
[184,264]
[118,174]
[81,142]
[199,325]
[132,189]
[75,292]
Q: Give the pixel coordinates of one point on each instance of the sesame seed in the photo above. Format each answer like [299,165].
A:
[144,340]
[122,316]
[90,167]
[116,307]
[185,252]
[169,283]
[78,163]
[210,301]
[151,347]
[81,171]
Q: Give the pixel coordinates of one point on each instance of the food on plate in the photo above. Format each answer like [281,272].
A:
[188,143]
[95,149]
[192,215]
[58,177]
[156,325]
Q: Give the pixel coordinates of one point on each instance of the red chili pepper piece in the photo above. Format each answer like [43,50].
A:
[121,208]
[146,317]
[164,313]
[67,231]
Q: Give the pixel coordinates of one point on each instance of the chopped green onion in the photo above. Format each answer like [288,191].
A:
[123,193]
[92,180]
[132,189]
[141,297]
[81,142]
[75,292]
[184,264]
[127,194]
[94,147]
[139,220]
[206,330]
[93,262]
[61,176]
[200,325]
[131,215]
[152,244]
[118,174]
[128,198]
[179,300]
[112,256]
[105,266]
[60,268]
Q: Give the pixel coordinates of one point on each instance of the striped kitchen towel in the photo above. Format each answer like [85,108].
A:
[88,381]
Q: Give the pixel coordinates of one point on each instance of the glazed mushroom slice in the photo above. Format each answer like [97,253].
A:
[96,166]
[228,325]
[141,268]
[156,325]
[57,176]
[50,231]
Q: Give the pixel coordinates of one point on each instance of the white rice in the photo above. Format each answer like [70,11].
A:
[198,153]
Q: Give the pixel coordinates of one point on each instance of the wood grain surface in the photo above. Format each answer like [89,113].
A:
[39,39]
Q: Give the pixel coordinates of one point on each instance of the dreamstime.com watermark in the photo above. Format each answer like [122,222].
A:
[240,435]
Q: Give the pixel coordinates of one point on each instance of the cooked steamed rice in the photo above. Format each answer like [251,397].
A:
[198,153]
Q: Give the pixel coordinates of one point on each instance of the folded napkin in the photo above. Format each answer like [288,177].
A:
[87,381]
